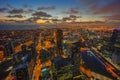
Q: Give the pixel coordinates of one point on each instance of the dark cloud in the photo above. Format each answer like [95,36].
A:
[27,11]
[66,18]
[47,8]
[55,20]
[16,11]
[23,22]
[41,14]
[3,9]
[71,11]
[32,19]
[27,21]
[15,16]
[73,16]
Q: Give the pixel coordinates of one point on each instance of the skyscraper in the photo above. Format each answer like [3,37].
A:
[59,37]
[9,48]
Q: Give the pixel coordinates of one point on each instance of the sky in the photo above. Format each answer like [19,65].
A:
[19,12]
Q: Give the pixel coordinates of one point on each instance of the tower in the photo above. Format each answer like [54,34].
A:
[59,37]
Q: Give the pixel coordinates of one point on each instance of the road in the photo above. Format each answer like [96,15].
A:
[37,70]
[98,71]
[18,48]
[110,68]
[4,72]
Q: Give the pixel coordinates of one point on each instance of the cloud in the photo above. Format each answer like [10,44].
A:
[10,6]
[15,16]
[40,21]
[51,20]
[113,17]
[73,16]
[93,2]
[14,21]
[30,10]
[41,14]
[32,19]
[16,11]
[55,20]
[47,8]
[70,18]
[101,6]
[10,20]
[71,11]
[66,18]
[3,9]
[112,8]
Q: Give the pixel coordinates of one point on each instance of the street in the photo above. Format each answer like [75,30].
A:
[97,69]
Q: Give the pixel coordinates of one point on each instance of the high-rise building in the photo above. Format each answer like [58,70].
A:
[116,36]
[32,50]
[36,38]
[59,37]
[9,48]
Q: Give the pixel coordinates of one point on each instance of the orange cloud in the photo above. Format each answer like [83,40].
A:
[40,21]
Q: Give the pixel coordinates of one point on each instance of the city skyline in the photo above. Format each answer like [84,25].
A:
[58,11]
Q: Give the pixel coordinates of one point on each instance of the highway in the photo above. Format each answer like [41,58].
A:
[109,67]
[97,68]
